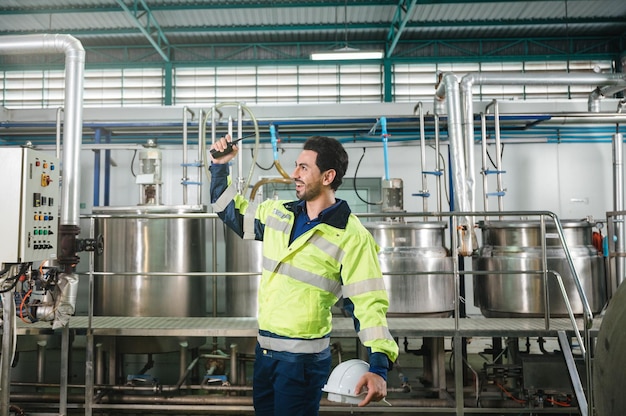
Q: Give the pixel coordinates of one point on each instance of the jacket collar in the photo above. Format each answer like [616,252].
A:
[336,217]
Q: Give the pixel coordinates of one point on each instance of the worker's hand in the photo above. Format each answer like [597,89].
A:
[220,145]
[376,388]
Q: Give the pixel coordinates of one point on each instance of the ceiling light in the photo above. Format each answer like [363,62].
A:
[346,53]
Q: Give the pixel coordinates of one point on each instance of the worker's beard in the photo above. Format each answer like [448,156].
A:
[308,192]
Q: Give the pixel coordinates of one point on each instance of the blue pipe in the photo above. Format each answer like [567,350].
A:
[274,141]
[385,136]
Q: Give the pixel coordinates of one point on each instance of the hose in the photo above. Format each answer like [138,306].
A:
[207,162]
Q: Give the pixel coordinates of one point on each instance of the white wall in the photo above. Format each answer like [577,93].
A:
[572,180]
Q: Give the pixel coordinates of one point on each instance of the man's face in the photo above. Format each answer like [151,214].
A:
[307,176]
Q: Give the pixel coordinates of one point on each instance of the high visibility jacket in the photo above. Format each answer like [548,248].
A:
[301,281]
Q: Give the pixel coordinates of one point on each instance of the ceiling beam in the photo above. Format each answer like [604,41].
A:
[241,4]
[399,21]
[149,28]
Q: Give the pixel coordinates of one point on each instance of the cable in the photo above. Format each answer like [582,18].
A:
[15,278]
[261,167]
[23,304]
[354,183]
[506,392]
[132,162]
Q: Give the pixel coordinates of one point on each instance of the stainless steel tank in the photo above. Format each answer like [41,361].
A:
[141,245]
[516,246]
[406,248]
[243,256]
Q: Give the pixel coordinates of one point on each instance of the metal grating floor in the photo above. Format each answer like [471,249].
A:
[342,327]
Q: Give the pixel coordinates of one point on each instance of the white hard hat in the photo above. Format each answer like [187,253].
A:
[343,379]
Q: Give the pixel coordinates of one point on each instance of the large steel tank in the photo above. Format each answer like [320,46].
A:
[516,246]
[243,256]
[406,248]
[142,245]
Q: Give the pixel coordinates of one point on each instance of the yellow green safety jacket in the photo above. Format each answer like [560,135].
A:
[301,281]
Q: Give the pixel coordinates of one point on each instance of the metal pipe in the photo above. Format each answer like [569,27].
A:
[41,360]
[485,168]
[185,149]
[496,121]
[201,135]
[240,178]
[618,205]
[8,348]
[467,117]
[74,74]
[58,138]
[424,191]
[544,78]
[449,89]
[438,168]
[233,364]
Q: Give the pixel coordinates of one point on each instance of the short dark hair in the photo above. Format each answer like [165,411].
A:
[330,155]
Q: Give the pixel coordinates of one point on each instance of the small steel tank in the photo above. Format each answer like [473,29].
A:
[415,247]
[141,245]
[516,246]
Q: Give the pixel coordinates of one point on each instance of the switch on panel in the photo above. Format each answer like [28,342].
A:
[27,219]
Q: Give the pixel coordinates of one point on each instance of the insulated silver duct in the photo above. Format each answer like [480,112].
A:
[74,74]
[69,221]
[448,90]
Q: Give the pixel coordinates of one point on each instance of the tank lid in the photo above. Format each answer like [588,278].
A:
[417,225]
[150,209]
[532,224]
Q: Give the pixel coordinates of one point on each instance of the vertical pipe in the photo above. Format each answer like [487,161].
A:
[89,349]
[438,164]
[201,137]
[183,358]
[96,169]
[8,319]
[240,154]
[424,190]
[41,360]
[467,117]
[185,178]
[65,368]
[385,136]
[107,171]
[234,359]
[483,147]
[58,141]
[500,190]
[618,206]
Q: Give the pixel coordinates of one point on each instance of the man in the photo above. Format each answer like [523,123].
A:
[314,252]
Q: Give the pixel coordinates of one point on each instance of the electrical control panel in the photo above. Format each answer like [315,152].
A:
[29,209]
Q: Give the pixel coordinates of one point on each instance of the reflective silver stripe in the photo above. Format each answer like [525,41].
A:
[224,199]
[327,247]
[304,276]
[373,333]
[300,346]
[248,222]
[364,286]
[278,225]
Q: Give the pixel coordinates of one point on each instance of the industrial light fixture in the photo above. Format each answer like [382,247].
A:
[346,53]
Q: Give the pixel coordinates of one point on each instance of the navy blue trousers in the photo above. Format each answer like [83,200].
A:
[287,384]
